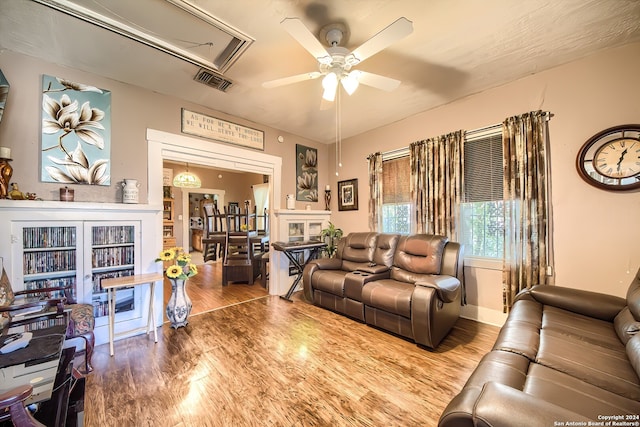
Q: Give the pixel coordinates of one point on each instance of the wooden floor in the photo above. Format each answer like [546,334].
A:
[269,362]
[207,293]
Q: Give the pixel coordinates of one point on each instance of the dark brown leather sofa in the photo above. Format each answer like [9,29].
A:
[563,356]
[408,285]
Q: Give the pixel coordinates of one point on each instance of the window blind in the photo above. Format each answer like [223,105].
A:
[396,175]
[483,168]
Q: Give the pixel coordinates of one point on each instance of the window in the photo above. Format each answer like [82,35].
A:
[396,203]
[482,213]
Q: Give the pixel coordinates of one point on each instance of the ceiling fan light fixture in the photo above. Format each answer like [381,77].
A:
[329,84]
[350,82]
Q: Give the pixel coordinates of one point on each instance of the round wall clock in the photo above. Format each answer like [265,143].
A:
[610,159]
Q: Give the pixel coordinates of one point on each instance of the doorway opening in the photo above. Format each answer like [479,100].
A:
[163,146]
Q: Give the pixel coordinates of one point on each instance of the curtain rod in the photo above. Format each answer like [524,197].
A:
[399,152]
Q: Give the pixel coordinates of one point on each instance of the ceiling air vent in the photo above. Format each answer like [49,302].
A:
[214,80]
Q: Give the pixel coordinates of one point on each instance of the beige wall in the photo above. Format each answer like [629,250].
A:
[133,111]
[597,233]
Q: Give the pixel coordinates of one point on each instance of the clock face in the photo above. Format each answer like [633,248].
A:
[618,159]
[610,160]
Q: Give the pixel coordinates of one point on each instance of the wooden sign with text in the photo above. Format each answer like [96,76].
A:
[221,130]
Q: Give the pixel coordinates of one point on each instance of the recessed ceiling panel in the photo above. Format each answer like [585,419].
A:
[176,27]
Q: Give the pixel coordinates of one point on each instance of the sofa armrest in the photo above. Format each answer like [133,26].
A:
[500,405]
[327,263]
[447,287]
[311,267]
[592,304]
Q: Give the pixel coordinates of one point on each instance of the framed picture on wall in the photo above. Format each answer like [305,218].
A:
[76,133]
[348,195]
[306,174]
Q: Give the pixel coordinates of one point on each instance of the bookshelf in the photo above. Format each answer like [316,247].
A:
[168,234]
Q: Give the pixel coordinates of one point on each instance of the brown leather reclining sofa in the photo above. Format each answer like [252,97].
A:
[563,357]
[408,285]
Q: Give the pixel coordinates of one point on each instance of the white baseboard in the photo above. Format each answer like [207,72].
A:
[483,315]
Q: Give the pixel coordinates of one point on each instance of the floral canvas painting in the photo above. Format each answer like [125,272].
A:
[306,173]
[76,133]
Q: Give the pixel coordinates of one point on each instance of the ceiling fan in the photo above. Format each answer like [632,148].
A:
[335,62]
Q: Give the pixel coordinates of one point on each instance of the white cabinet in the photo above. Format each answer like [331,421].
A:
[115,252]
[80,254]
[294,226]
[54,244]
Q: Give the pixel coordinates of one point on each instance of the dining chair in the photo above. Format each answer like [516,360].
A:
[214,233]
[238,265]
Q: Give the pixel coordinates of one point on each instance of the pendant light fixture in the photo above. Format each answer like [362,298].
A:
[187,180]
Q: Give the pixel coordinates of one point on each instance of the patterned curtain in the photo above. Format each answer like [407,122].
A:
[418,185]
[375,190]
[526,194]
[437,176]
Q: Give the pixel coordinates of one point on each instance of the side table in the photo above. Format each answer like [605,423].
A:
[111,285]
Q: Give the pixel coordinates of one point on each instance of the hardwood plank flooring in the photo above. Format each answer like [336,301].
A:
[207,293]
[269,362]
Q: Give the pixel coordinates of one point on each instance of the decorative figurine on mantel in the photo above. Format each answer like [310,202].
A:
[15,193]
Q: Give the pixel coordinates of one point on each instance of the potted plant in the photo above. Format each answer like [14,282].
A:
[331,235]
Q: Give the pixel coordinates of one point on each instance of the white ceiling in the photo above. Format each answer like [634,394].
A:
[457,48]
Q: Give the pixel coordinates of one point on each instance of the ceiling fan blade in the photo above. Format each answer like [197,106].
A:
[301,33]
[377,81]
[291,79]
[398,30]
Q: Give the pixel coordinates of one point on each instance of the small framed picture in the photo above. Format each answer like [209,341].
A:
[348,195]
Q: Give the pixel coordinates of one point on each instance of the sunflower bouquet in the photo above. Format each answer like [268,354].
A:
[182,267]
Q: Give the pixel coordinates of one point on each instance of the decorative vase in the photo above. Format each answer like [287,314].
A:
[179,305]
[130,191]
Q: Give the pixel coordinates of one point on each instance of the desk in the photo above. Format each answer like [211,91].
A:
[111,285]
[291,248]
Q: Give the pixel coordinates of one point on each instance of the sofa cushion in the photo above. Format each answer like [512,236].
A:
[356,250]
[389,295]
[625,325]
[575,394]
[605,367]
[596,331]
[385,248]
[420,253]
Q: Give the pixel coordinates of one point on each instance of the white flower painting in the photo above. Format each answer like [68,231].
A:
[76,130]
[306,173]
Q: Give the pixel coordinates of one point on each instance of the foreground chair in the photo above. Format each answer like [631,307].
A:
[12,407]
[81,319]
